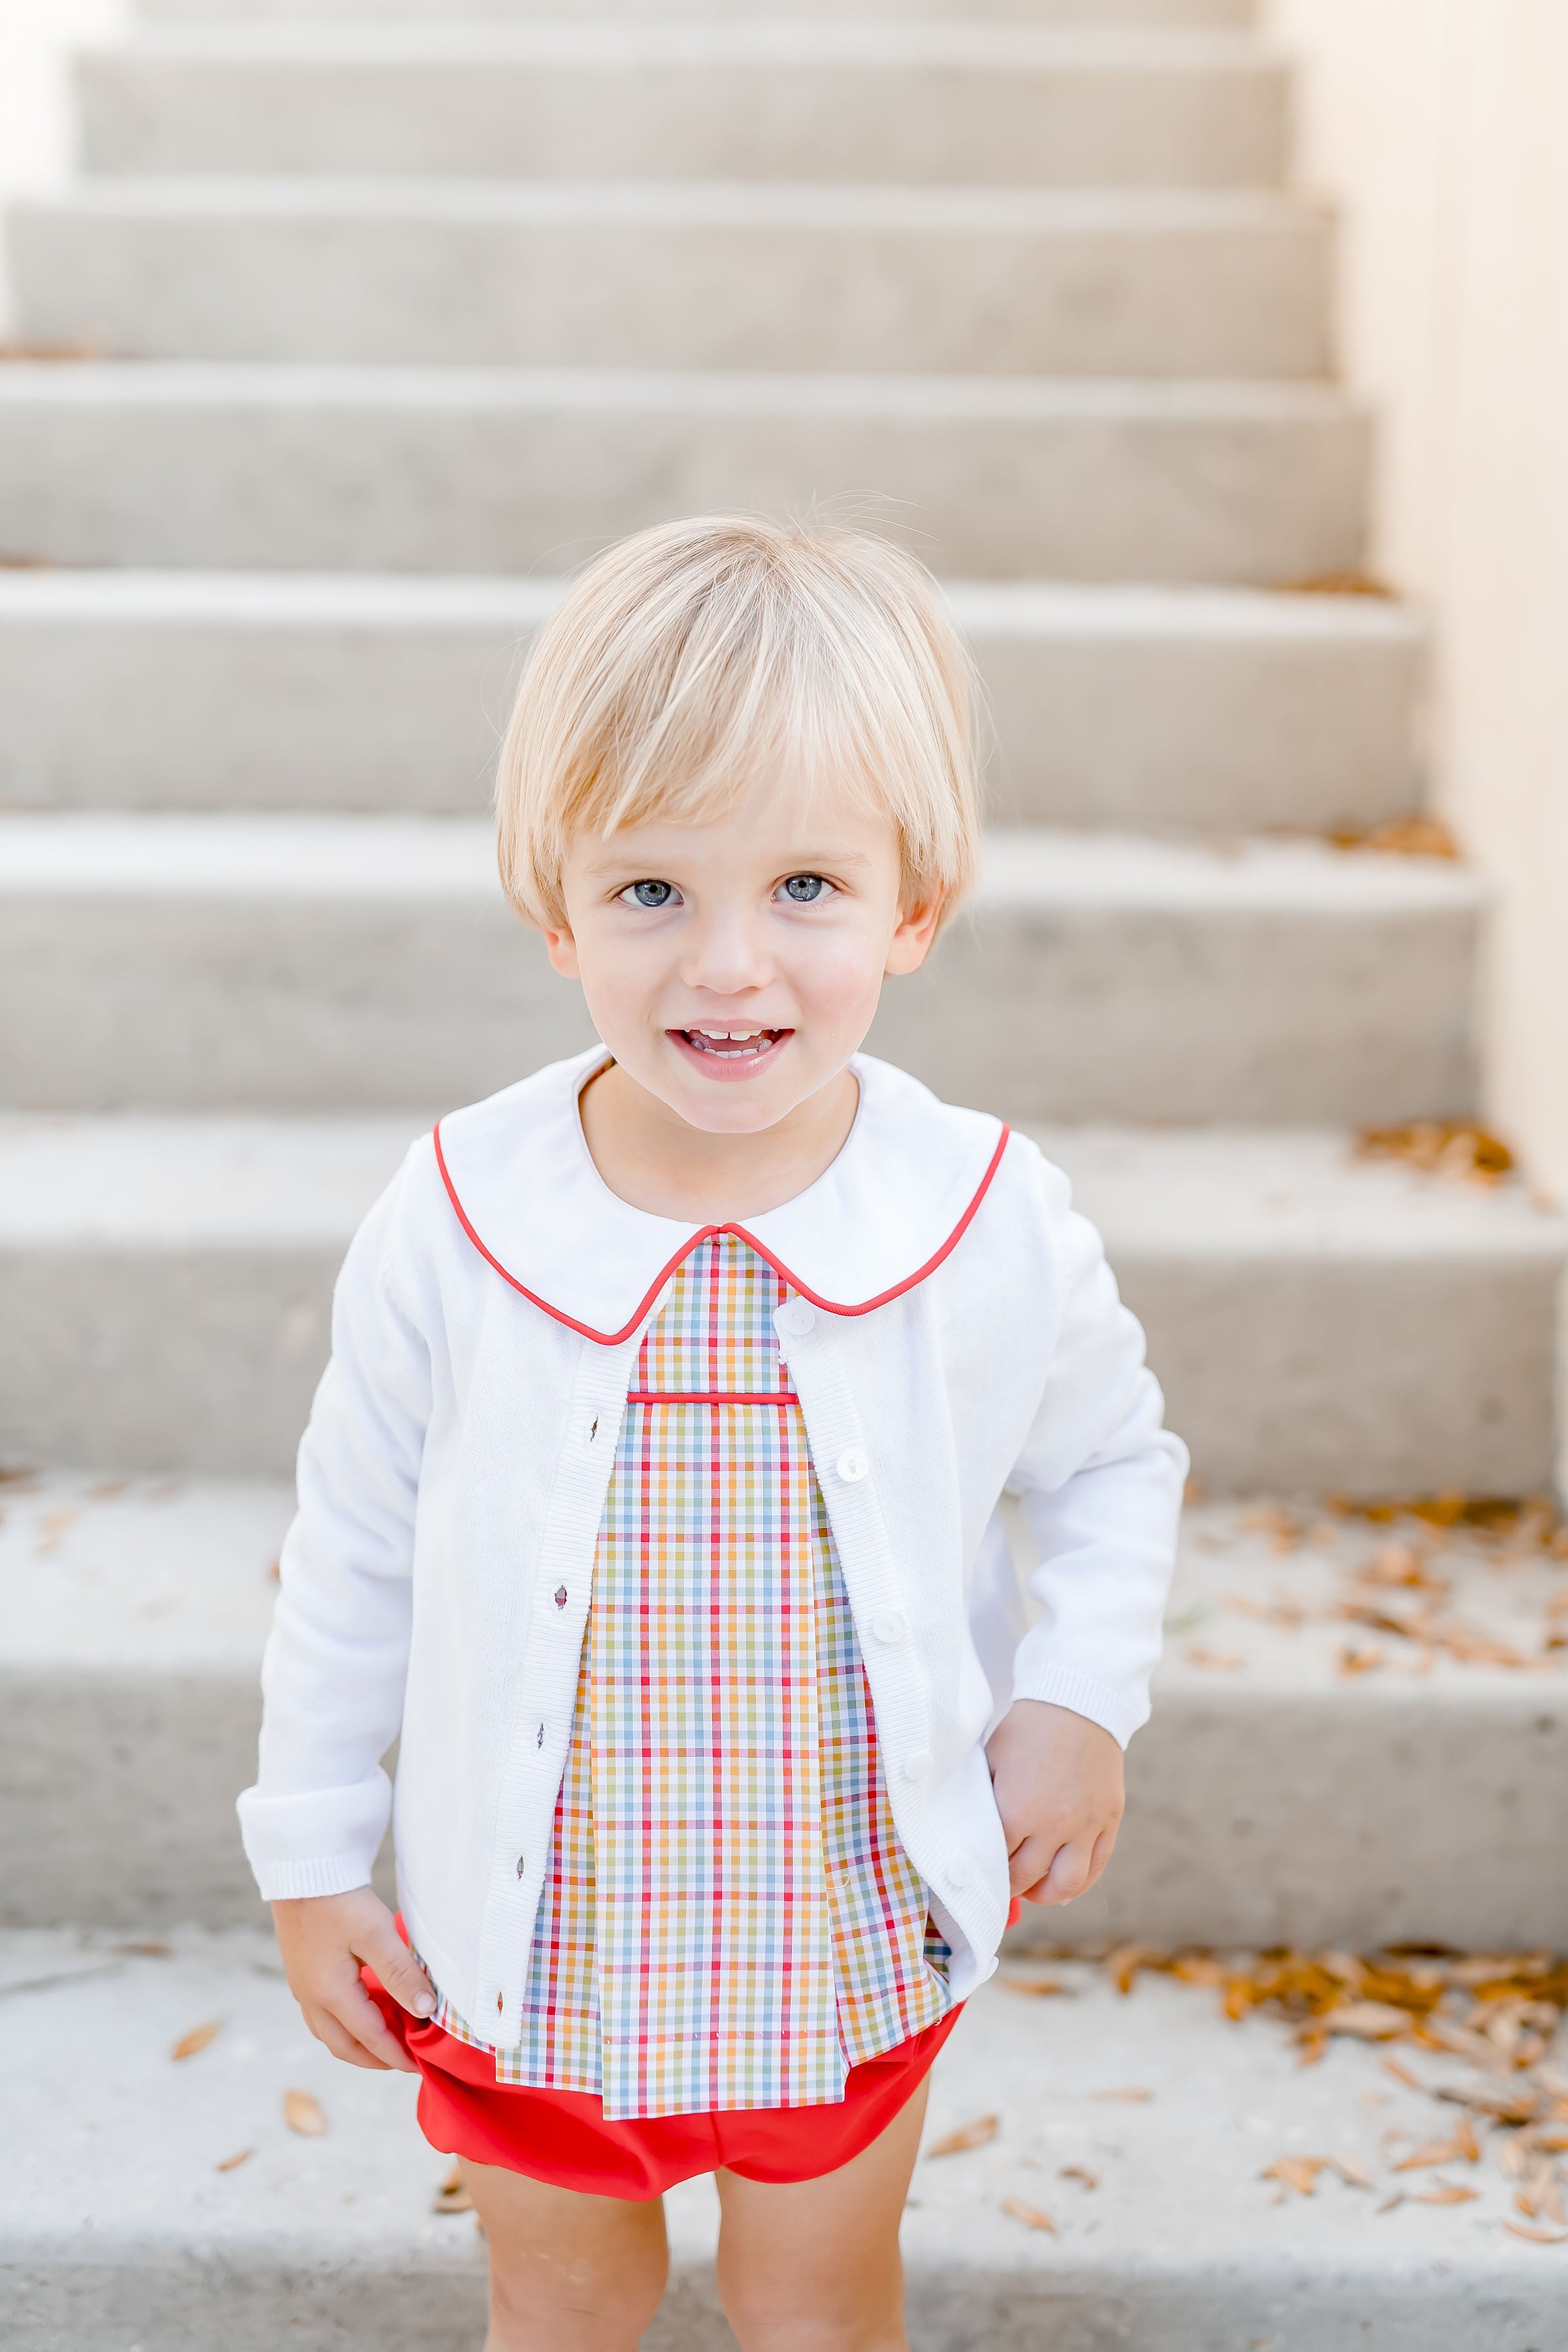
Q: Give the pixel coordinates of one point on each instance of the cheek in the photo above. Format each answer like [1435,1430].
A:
[840,971]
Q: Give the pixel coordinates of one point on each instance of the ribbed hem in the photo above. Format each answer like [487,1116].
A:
[1119,1712]
[289,1882]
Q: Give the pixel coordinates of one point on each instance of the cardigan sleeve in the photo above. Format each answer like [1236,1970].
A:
[334,1674]
[1100,1482]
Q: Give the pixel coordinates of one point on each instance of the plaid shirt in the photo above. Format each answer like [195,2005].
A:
[728,1917]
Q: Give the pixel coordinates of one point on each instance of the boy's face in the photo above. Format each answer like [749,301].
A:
[732,968]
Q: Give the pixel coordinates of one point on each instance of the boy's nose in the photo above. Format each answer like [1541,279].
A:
[726,956]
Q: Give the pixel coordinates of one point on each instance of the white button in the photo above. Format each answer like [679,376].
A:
[795,1319]
[917,1764]
[959,1874]
[889,1624]
[852,1468]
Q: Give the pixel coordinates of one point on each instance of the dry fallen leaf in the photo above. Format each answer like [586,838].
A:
[1358,1658]
[1298,2172]
[1217,1662]
[452,2196]
[302,2114]
[1133,2098]
[1037,1985]
[1447,2192]
[233,2163]
[1368,2021]
[1402,2074]
[1441,1148]
[1030,2215]
[1463,2146]
[1400,836]
[975,2135]
[1352,2171]
[196,2039]
[1538,2237]
[1121,1966]
[1080,2172]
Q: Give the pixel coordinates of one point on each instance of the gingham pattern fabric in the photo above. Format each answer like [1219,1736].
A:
[728,1918]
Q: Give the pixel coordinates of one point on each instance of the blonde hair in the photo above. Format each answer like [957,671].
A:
[697,659]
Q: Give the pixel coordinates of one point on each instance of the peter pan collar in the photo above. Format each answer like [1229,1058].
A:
[894,1201]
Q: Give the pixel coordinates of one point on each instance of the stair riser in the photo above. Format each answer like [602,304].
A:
[772,118]
[1249,1820]
[1094,727]
[1168,2306]
[241,475]
[1175,300]
[202,1359]
[1089,1011]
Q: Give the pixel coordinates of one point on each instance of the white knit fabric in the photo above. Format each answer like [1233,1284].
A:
[454,1473]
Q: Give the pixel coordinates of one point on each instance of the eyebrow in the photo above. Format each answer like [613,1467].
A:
[626,861]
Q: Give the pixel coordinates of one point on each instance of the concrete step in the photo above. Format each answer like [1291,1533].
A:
[314,962]
[448,470]
[443,12]
[1147,708]
[1316,1320]
[332,2242]
[780,99]
[1273,1798]
[661,274]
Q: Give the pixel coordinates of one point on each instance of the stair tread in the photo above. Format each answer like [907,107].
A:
[779,39]
[158,852]
[293,383]
[141,1180]
[1046,609]
[650,203]
[103,2125]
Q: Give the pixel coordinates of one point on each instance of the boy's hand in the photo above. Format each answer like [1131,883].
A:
[323,1939]
[1056,1778]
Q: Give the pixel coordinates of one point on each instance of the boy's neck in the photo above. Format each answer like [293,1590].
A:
[652,1159]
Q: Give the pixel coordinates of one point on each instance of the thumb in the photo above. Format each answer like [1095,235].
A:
[384,1950]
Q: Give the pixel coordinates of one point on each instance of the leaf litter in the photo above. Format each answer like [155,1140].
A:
[1498,2012]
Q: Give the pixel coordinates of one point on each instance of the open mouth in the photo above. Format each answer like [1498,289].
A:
[731,1045]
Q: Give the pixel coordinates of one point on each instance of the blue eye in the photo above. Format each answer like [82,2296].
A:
[648,894]
[806,889]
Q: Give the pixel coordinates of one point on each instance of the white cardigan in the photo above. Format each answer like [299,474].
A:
[957,1335]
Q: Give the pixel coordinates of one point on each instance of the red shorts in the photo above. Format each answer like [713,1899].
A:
[563,2137]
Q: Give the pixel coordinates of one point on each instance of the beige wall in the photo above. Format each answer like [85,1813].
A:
[1440,127]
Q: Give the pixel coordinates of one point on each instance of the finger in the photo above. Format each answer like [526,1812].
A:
[359,2018]
[1032,1858]
[385,1950]
[332,2037]
[1068,1876]
[1104,1847]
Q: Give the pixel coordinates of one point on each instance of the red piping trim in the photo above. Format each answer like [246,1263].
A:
[711,1396]
[829,1306]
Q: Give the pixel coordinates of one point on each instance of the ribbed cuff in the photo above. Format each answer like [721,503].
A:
[1120,1712]
[289,1882]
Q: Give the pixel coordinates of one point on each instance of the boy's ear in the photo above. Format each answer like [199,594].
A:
[911,940]
[563,949]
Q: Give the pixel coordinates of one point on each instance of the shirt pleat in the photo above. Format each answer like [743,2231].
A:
[728,1918]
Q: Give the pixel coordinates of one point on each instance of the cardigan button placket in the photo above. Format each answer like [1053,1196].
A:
[852,1468]
[917,1764]
[796,1319]
[890,1625]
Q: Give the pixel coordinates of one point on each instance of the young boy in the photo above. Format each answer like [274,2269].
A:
[652,1490]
